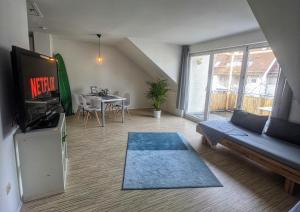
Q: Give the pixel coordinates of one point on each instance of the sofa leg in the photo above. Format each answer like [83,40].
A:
[204,140]
[209,143]
[289,186]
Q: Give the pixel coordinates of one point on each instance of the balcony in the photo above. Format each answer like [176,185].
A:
[223,103]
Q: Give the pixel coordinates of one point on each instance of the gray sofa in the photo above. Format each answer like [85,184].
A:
[279,155]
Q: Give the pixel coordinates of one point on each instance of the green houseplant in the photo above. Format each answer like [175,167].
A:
[158,94]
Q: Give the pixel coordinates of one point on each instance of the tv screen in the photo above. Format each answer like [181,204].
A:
[37,87]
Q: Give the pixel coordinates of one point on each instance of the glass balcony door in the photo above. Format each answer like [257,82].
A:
[221,81]
[226,76]
[197,87]
[260,83]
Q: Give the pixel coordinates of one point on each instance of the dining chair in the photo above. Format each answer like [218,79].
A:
[94,108]
[127,101]
[110,107]
[79,103]
[118,107]
[88,98]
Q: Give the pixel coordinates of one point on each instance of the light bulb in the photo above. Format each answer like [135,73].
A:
[100,59]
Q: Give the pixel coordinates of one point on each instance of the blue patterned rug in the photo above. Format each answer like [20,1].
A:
[164,160]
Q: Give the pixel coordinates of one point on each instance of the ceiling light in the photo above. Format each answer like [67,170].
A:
[99,57]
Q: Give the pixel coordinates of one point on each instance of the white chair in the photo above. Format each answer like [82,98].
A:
[127,102]
[94,108]
[110,107]
[118,107]
[79,103]
[88,99]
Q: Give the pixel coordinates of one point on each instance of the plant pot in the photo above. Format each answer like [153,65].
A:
[157,113]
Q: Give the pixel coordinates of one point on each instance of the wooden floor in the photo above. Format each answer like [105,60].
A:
[96,162]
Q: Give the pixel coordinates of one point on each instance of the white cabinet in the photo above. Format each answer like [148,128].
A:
[42,161]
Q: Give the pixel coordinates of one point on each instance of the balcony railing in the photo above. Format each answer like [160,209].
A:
[226,101]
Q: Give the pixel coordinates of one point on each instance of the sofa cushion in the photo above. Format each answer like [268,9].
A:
[284,130]
[216,130]
[249,121]
[296,208]
[276,149]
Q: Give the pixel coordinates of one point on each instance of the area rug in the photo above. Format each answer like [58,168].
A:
[164,160]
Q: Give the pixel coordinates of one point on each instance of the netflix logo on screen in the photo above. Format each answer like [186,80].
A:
[41,85]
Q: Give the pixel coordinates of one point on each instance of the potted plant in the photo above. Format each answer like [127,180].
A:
[158,94]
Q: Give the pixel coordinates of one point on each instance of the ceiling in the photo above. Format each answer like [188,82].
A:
[173,21]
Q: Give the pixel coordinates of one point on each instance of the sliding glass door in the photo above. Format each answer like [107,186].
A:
[198,76]
[261,78]
[226,74]
[222,81]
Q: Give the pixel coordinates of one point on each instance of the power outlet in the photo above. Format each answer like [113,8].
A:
[8,188]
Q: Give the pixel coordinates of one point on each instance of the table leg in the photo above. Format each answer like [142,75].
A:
[103,114]
[122,111]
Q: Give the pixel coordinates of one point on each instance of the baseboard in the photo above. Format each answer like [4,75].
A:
[175,112]
[140,108]
[191,118]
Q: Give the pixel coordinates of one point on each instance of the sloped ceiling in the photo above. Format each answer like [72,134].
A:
[280,22]
[166,56]
[138,56]
[174,21]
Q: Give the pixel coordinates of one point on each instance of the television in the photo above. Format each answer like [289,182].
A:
[36,87]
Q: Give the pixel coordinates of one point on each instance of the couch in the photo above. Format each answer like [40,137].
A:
[276,147]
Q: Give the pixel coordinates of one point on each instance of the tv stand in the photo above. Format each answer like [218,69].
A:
[49,121]
[42,160]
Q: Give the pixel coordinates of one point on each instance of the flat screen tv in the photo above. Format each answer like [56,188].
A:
[36,86]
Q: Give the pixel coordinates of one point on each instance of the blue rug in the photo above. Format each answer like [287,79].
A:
[164,160]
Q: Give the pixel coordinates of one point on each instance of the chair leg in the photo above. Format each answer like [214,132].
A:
[127,110]
[84,116]
[115,112]
[97,117]
[78,113]
[87,118]
[289,186]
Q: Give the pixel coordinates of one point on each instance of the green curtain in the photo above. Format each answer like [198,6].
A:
[64,86]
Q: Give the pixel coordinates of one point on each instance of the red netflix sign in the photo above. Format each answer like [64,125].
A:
[41,85]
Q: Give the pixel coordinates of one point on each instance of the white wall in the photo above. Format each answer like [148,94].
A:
[138,57]
[117,72]
[43,43]
[166,56]
[14,31]
[280,22]
[170,105]
[250,37]
[295,111]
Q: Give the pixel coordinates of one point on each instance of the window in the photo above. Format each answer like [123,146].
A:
[261,80]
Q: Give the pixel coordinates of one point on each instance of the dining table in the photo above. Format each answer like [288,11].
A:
[109,99]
